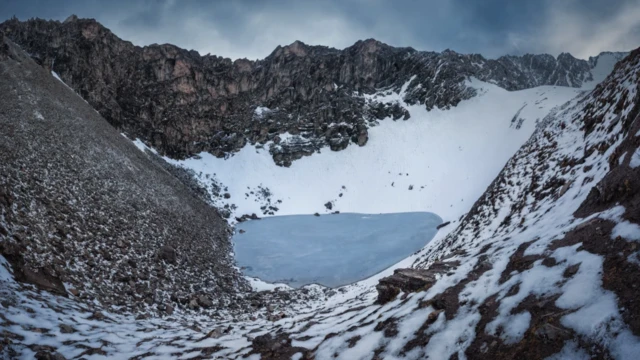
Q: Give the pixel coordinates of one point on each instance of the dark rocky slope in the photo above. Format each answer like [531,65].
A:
[80,205]
[182,103]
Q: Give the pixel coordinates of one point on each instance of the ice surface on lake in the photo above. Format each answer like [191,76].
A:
[331,250]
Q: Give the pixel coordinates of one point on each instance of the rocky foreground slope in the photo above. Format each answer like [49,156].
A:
[182,103]
[85,214]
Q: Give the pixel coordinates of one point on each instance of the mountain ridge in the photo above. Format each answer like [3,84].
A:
[182,103]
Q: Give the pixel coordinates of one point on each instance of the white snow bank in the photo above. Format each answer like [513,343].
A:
[259,285]
[448,156]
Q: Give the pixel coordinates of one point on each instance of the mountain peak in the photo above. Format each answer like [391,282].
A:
[297,48]
[71,18]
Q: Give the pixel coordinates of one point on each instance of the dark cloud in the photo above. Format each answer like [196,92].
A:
[253,28]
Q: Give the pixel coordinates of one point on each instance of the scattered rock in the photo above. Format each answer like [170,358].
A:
[169,309]
[48,355]
[246,217]
[443,225]
[276,347]
[168,254]
[550,332]
[329,205]
[204,301]
[97,316]
[213,334]
[67,329]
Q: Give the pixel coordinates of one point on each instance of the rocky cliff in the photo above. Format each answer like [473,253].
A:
[182,103]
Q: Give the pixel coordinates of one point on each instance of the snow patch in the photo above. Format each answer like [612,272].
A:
[259,285]
[626,230]
[635,159]
[38,115]
[260,111]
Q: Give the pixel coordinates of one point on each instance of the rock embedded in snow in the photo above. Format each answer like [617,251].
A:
[410,280]
[47,354]
[275,347]
[204,301]
[67,329]
[246,217]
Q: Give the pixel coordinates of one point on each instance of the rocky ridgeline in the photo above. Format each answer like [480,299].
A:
[182,103]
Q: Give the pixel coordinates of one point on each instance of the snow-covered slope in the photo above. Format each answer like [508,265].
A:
[601,67]
[546,262]
[439,161]
[543,261]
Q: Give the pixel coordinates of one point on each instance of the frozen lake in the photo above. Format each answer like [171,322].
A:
[331,250]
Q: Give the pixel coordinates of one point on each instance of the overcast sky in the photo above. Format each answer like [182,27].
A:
[253,28]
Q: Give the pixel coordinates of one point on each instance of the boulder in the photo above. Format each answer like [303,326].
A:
[204,301]
[276,347]
[168,254]
[67,329]
[169,310]
[48,355]
[410,280]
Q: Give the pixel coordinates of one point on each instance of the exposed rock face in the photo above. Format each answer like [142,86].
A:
[410,280]
[276,347]
[79,204]
[182,103]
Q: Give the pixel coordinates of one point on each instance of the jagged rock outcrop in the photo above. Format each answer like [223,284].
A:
[410,280]
[182,103]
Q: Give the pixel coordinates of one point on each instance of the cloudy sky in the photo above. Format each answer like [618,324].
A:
[253,28]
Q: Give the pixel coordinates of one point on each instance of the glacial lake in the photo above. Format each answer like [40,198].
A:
[331,250]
